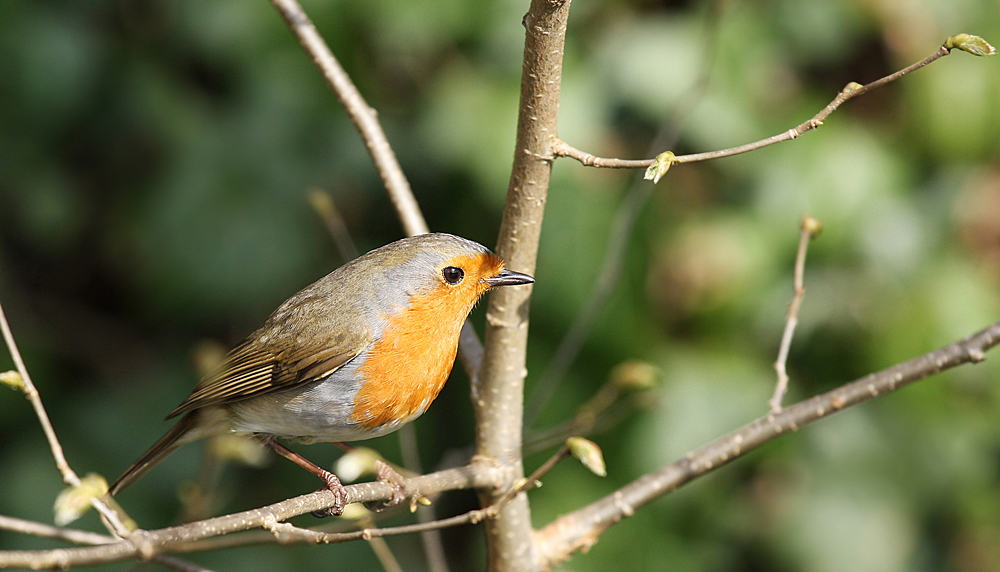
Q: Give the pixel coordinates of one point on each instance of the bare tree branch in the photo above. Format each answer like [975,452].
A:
[326,208]
[498,393]
[143,545]
[580,529]
[852,90]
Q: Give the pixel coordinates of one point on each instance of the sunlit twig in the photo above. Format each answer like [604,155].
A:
[810,228]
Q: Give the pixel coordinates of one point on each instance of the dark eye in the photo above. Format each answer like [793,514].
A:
[453,274]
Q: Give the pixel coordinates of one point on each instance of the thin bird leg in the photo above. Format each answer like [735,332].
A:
[331,480]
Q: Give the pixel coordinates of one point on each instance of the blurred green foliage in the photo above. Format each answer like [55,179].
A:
[154,163]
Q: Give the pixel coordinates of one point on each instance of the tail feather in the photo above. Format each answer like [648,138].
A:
[182,433]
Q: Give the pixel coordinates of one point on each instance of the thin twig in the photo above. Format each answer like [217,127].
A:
[110,517]
[562,149]
[584,423]
[431,539]
[42,530]
[326,208]
[362,115]
[289,534]
[532,481]
[580,529]
[809,229]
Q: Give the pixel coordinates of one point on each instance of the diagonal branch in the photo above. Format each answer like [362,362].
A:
[580,529]
[362,115]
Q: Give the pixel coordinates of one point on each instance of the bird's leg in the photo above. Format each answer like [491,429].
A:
[333,484]
[386,474]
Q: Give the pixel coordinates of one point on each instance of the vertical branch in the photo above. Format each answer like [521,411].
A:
[810,230]
[498,393]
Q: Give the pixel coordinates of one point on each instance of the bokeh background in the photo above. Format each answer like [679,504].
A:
[155,159]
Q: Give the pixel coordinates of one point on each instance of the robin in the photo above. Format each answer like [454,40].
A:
[356,355]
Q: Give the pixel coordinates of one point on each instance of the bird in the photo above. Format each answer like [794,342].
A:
[356,355]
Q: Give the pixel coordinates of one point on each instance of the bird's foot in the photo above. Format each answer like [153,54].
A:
[339,491]
[384,473]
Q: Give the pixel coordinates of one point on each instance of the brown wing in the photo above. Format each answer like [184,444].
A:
[250,371]
[301,342]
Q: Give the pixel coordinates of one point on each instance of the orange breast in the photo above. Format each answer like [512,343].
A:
[407,368]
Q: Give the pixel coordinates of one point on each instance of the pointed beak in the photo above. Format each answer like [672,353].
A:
[509,278]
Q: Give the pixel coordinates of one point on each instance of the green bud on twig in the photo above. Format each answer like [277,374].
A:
[812,226]
[588,453]
[659,167]
[74,501]
[13,380]
[972,44]
[851,87]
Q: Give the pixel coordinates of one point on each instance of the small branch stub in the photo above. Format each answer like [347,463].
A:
[809,229]
[972,44]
